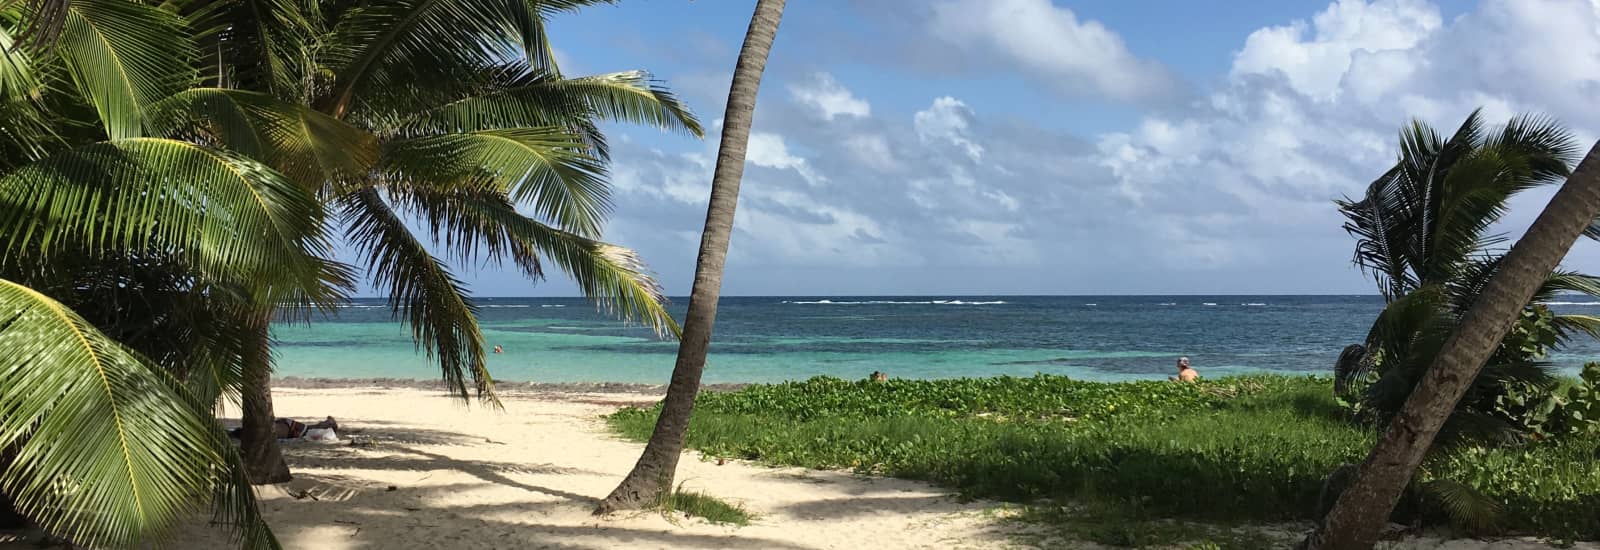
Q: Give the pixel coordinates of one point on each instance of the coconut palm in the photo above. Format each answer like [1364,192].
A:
[1361,511]
[653,473]
[103,443]
[448,113]
[190,159]
[1425,233]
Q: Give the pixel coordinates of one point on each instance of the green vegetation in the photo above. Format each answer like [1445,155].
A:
[1253,448]
[704,506]
[174,175]
[1425,232]
[1129,524]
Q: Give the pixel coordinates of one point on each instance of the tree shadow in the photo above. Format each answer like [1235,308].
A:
[832,508]
[389,447]
[385,520]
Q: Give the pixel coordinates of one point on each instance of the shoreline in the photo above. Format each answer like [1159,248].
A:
[501,386]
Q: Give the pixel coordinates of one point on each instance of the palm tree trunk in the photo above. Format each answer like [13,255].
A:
[263,457]
[654,472]
[1363,509]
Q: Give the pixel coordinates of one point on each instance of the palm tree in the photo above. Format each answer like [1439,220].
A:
[105,443]
[449,112]
[1361,511]
[653,474]
[1424,234]
[135,167]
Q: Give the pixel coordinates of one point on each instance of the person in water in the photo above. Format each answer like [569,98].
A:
[1186,373]
[497,349]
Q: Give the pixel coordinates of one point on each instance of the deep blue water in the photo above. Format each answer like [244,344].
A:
[763,339]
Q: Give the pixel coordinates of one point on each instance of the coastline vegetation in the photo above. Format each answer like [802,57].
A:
[1252,448]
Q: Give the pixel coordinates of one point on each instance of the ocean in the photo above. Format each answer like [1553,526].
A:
[770,339]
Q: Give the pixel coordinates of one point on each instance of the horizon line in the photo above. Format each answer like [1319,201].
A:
[943,294]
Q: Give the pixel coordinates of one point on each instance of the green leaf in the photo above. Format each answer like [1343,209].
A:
[401,43]
[547,167]
[442,321]
[123,56]
[546,100]
[311,148]
[110,452]
[612,276]
[232,217]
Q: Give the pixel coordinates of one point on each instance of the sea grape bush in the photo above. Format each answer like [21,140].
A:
[1555,410]
[999,398]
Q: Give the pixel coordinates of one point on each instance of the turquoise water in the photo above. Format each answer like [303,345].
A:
[761,339]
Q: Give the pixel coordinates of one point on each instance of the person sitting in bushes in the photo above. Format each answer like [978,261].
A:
[1186,373]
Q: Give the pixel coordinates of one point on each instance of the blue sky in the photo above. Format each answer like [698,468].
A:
[1031,147]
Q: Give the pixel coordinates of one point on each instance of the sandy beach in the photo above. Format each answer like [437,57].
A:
[439,474]
[442,475]
[433,473]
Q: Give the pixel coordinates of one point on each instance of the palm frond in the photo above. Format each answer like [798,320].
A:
[311,148]
[1548,148]
[39,31]
[547,168]
[544,100]
[1380,223]
[123,56]
[255,44]
[1471,198]
[413,42]
[18,79]
[1425,218]
[110,452]
[24,129]
[156,306]
[232,218]
[434,302]
[1465,506]
[615,278]
[1564,281]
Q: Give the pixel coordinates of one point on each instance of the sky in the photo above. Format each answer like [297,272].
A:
[958,147]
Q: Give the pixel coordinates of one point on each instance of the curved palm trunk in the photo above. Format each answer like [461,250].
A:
[656,467]
[262,456]
[1363,509]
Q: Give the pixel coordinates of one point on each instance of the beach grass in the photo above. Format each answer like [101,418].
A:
[704,506]
[1253,448]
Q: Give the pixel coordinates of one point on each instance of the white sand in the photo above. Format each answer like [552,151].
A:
[529,476]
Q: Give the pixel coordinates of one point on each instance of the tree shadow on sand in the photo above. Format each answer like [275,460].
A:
[388,447]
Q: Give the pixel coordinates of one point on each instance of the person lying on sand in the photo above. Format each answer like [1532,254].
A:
[1185,372]
[289,428]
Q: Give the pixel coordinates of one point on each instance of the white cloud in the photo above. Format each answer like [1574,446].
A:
[1231,193]
[1310,112]
[947,120]
[769,150]
[830,98]
[1316,56]
[1076,57]
[873,150]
